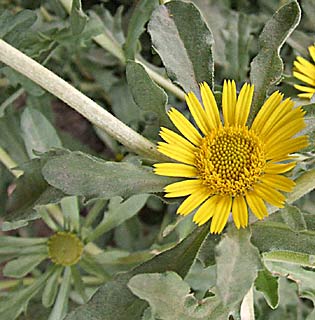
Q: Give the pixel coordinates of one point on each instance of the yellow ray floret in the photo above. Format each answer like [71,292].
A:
[229,168]
[304,70]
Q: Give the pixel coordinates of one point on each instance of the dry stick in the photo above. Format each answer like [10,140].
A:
[78,101]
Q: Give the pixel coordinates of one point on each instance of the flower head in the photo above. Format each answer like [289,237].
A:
[230,167]
[305,71]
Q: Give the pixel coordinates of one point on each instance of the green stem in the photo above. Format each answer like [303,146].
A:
[78,101]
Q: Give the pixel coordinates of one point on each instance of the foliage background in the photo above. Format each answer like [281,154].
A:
[201,276]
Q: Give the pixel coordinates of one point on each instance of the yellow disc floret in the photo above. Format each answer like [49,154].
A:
[230,160]
[65,248]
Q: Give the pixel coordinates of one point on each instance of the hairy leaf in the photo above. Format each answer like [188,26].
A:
[186,51]
[267,66]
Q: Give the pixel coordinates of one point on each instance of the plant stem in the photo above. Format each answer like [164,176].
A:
[78,101]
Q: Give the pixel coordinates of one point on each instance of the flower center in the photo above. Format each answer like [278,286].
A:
[230,160]
[65,248]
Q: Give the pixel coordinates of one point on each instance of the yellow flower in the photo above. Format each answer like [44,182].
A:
[305,71]
[230,167]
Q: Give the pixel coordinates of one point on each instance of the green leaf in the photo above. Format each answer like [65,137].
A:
[303,277]
[10,241]
[170,298]
[21,266]
[186,51]
[15,78]
[31,191]
[10,138]
[71,213]
[148,96]
[269,236]
[118,212]
[237,42]
[140,16]
[235,254]
[115,301]
[61,304]
[38,133]
[78,18]
[51,288]
[13,305]
[267,66]
[293,217]
[11,25]
[268,286]
[77,173]
[78,282]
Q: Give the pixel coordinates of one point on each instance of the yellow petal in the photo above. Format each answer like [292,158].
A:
[287,147]
[304,66]
[311,50]
[198,113]
[304,88]
[240,212]
[266,111]
[256,204]
[283,108]
[174,138]
[193,201]
[304,78]
[210,105]
[277,181]
[229,101]
[184,126]
[270,195]
[183,188]
[223,209]
[206,210]
[175,152]
[277,168]
[175,170]
[243,104]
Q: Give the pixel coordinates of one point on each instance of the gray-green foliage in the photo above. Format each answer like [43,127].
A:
[190,61]
[147,265]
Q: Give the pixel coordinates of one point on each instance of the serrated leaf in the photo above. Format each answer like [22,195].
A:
[268,286]
[21,266]
[185,51]
[234,254]
[267,66]
[115,301]
[170,298]
[140,16]
[147,95]
[38,133]
[77,173]
[78,18]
